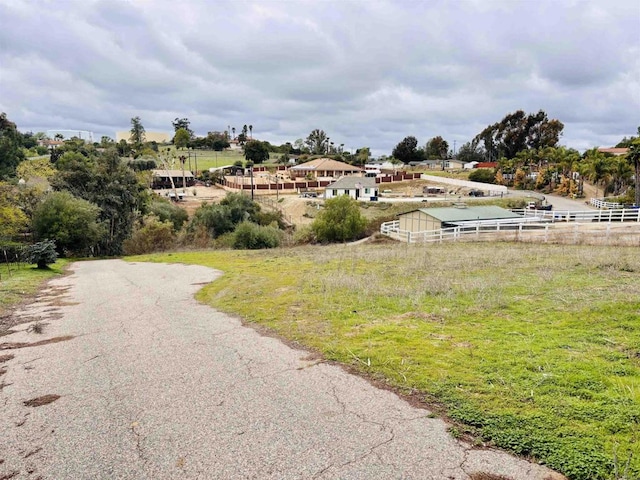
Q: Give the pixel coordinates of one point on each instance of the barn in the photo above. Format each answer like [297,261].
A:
[426,219]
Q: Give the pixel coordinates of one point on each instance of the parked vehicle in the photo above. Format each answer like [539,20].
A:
[539,206]
[476,193]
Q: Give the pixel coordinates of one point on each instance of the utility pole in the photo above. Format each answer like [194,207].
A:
[251,172]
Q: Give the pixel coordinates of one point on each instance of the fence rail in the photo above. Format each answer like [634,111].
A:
[605,232]
[602,203]
[613,215]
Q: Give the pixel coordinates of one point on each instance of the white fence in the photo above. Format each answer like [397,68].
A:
[605,227]
[602,203]
[494,190]
[613,215]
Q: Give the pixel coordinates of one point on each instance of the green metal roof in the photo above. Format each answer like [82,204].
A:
[454,214]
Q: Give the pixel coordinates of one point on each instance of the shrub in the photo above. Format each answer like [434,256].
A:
[167,211]
[303,235]
[154,236]
[251,236]
[72,222]
[340,221]
[482,175]
[214,218]
[41,253]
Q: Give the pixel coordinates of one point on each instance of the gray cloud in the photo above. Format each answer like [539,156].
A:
[368,73]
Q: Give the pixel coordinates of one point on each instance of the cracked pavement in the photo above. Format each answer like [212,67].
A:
[154,385]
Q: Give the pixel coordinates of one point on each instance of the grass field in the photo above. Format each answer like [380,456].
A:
[207,159]
[17,283]
[533,348]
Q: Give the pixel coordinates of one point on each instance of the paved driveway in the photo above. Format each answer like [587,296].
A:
[153,385]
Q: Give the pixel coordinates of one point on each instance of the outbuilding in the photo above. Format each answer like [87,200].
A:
[427,219]
[162,178]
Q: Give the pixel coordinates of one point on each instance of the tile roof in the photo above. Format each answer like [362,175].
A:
[326,164]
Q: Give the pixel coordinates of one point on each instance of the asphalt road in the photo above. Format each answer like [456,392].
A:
[153,385]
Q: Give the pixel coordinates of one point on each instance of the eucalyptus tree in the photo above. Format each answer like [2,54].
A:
[317,141]
[137,131]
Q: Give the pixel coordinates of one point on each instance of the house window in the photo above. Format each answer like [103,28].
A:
[335,193]
[366,190]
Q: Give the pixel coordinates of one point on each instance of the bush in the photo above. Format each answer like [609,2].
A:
[154,236]
[41,253]
[303,235]
[340,221]
[72,222]
[214,218]
[251,236]
[483,175]
[167,211]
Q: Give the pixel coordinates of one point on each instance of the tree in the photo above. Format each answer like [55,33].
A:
[182,124]
[518,131]
[362,155]
[597,168]
[406,151]
[256,151]
[42,254]
[298,146]
[317,141]
[137,136]
[436,148]
[181,138]
[633,157]
[112,186]
[13,219]
[340,221]
[72,222]
[11,153]
[470,152]
[106,141]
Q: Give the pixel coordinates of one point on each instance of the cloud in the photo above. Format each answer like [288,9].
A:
[368,73]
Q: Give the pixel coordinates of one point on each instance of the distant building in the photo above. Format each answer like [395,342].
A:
[159,137]
[614,151]
[162,178]
[358,188]
[323,168]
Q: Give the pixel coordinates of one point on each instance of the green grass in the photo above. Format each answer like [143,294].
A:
[533,348]
[210,159]
[17,283]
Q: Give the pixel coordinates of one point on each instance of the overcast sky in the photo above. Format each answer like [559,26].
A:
[367,72]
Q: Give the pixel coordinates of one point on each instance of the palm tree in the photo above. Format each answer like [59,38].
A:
[251,131]
[633,157]
[598,168]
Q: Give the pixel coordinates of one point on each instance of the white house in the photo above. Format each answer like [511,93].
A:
[359,188]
